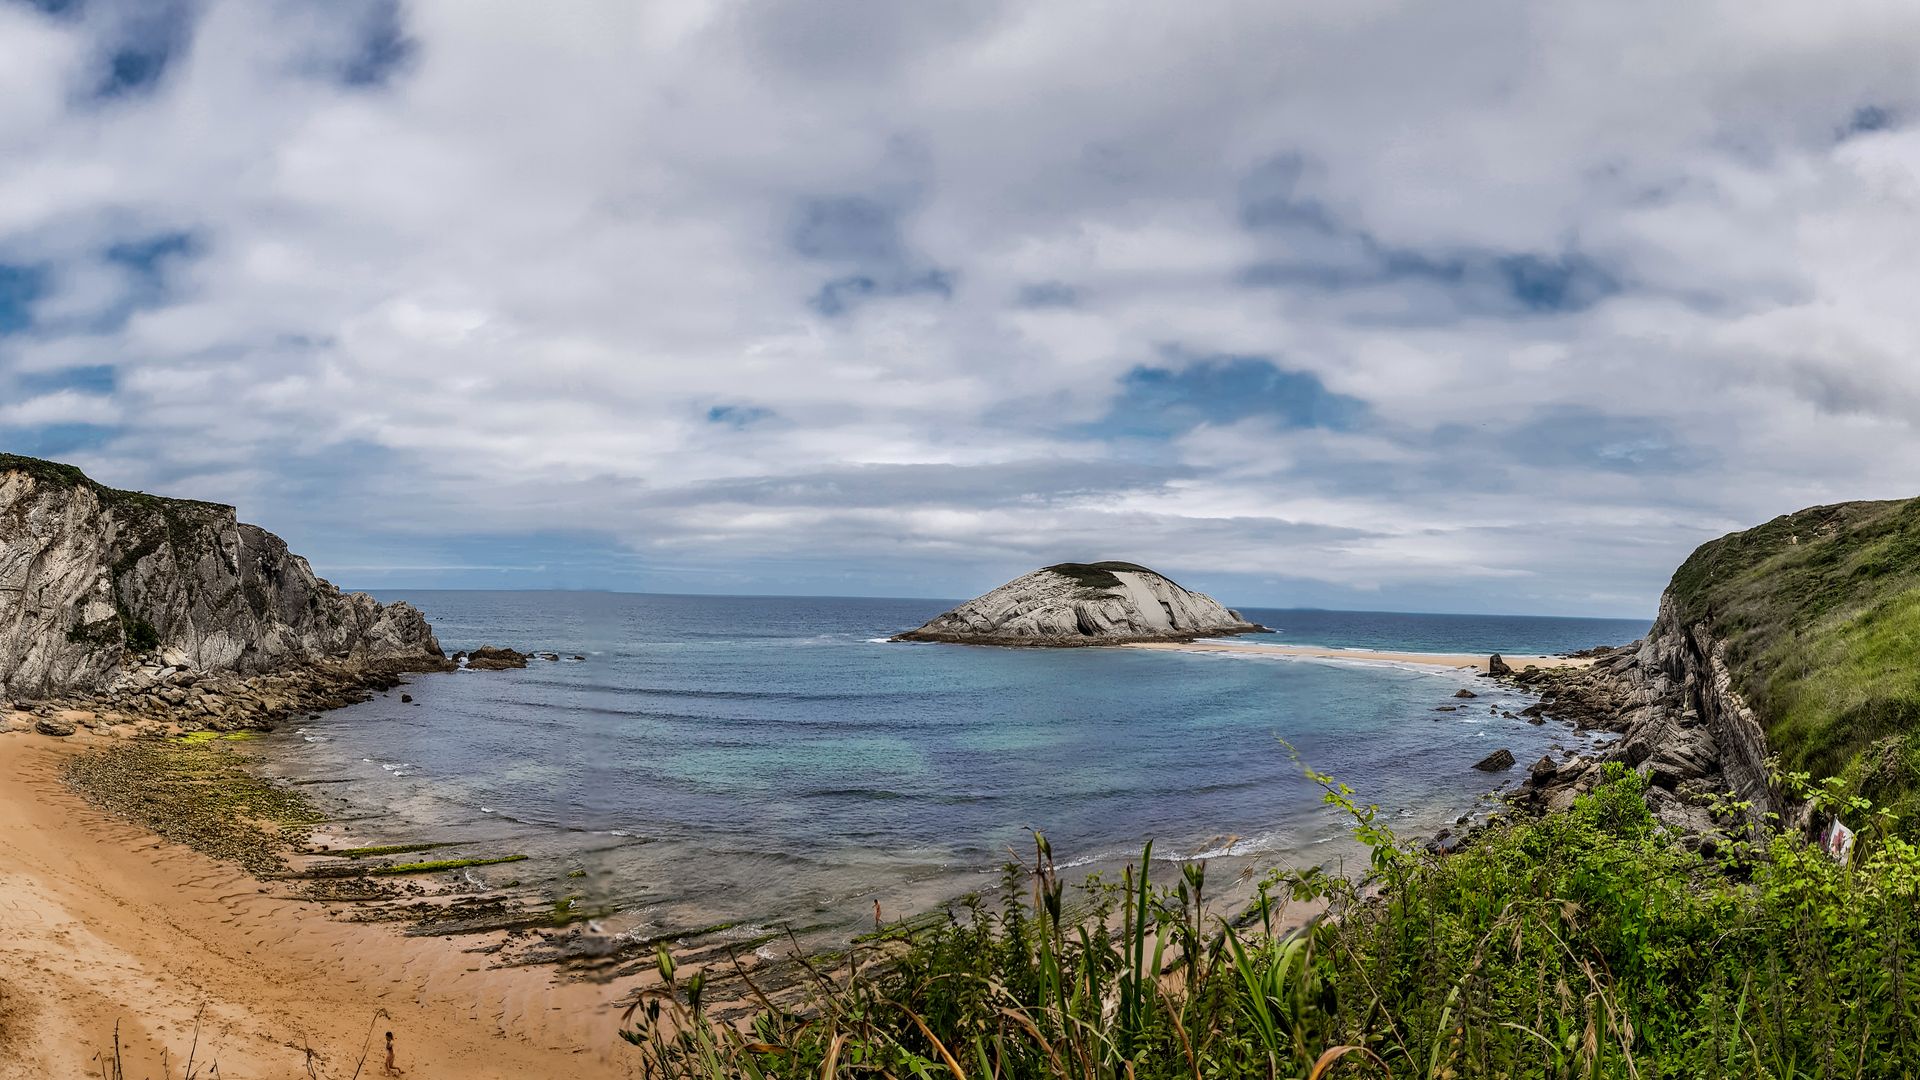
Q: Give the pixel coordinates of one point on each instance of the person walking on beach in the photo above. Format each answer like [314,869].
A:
[392,1069]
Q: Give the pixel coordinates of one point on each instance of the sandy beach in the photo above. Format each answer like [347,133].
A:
[1280,652]
[102,924]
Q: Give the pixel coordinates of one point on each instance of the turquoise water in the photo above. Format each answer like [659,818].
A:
[750,758]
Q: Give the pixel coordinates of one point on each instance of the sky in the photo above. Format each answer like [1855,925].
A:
[1480,306]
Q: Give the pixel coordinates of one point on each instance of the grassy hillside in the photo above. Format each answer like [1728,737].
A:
[60,476]
[1820,611]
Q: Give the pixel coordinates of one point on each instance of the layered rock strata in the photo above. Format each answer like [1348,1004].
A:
[1681,724]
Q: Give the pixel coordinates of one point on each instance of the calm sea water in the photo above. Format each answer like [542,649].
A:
[759,759]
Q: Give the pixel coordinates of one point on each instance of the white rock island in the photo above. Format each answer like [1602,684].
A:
[1077,604]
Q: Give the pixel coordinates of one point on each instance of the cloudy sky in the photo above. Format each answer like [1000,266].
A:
[1475,306]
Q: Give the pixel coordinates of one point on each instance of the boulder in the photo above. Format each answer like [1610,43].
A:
[47,725]
[490,658]
[1496,666]
[1464,693]
[1498,761]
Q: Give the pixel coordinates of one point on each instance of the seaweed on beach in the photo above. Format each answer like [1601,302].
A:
[196,793]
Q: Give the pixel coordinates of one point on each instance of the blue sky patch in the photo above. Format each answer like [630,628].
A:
[737,416]
[57,440]
[90,379]
[20,286]
[149,257]
[144,43]
[384,49]
[1567,283]
[1157,402]
[1476,283]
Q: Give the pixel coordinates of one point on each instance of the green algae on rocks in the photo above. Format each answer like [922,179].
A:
[199,793]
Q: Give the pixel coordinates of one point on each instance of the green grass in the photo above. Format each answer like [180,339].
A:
[1098,575]
[1820,611]
[52,473]
[386,849]
[1584,944]
[444,864]
[195,738]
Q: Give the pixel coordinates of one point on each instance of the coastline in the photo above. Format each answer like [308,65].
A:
[124,927]
[109,927]
[1456,661]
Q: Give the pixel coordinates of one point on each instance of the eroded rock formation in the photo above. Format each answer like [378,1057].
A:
[1681,723]
[107,593]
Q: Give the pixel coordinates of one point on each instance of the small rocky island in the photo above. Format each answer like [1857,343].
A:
[1076,604]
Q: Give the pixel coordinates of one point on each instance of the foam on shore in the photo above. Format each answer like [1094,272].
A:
[1455,661]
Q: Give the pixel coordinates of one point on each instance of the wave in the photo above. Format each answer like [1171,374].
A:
[715,694]
[857,794]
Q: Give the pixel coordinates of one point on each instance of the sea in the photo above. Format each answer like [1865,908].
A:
[697,763]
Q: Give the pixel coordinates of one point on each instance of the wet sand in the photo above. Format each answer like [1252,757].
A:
[1313,652]
[103,924]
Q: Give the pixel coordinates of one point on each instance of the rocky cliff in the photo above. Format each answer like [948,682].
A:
[1682,724]
[1068,604]
[99,589]
[1798,639]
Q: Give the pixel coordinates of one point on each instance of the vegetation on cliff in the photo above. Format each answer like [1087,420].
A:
[1819,612]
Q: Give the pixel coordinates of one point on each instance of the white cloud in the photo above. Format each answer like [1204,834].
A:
[501,293]
[60,407]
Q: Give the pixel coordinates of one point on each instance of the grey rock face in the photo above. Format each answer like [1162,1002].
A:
[96,583]
[1084,604]
[1681,723]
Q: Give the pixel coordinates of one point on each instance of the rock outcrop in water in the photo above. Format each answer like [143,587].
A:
[120,595]
[1106,603]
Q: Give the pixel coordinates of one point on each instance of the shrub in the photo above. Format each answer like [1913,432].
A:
[140,634]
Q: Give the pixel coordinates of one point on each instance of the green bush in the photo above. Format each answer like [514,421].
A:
[141,636]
